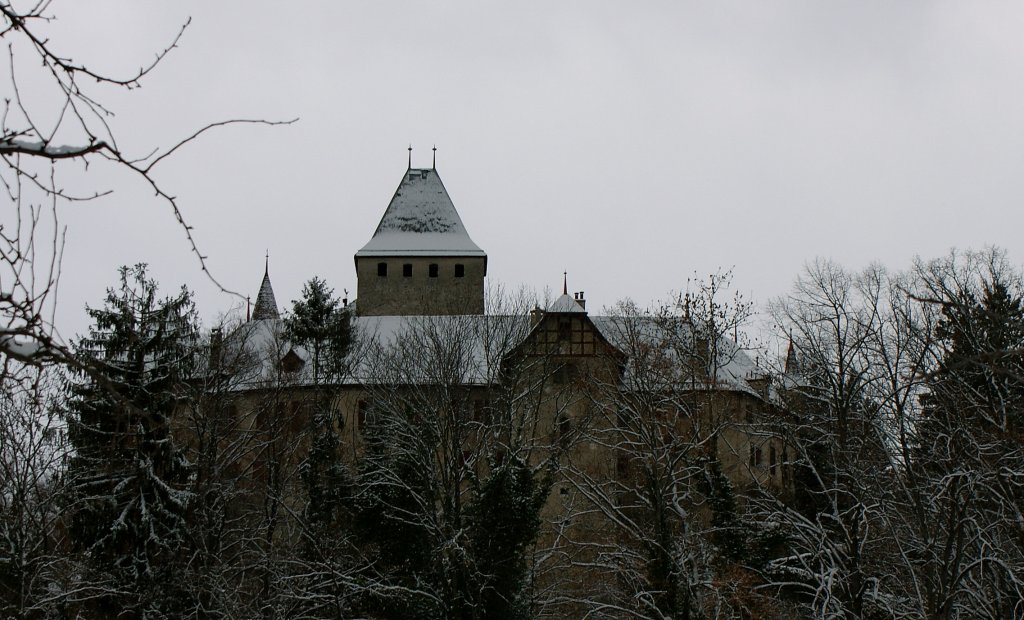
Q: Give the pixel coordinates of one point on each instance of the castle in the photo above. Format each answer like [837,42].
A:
[600,397]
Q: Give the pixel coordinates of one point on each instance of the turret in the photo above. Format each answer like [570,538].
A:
[420,260]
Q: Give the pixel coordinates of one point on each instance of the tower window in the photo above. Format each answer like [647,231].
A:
[407,270]
[460,270]
[382,270]
[432,270]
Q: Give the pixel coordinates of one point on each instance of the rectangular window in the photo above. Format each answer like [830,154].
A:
[564,329]
[407,270]
[363,407]
[480,408]
[564,431]
[433,270]
[382,270]
[460,271]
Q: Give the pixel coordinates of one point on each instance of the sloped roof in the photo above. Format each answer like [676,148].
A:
[421,221]
[565,304]
[266,304]
[735,368]
[479,354]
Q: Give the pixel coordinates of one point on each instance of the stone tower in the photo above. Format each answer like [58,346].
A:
[420,260]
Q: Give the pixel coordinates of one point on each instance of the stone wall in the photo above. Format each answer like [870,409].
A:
[420,293]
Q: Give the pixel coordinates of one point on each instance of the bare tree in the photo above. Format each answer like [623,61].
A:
[662,517]
[41,135]
[964,542]
[836,436]
[33,453]
[451,481]
[904,388]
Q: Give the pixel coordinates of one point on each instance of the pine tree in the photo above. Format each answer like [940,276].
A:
[982,372]
[129,480]
[968,454]
[505,520]
[319,324]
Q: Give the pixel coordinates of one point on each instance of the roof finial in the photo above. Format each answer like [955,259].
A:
[248,309]
[433,164]
[410,156]
[266,264]
[565,282]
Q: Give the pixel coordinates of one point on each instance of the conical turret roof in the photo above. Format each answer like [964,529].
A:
[266,304]
[421,221]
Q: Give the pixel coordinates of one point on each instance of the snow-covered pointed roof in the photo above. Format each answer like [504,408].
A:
[266,304]
[564,304]
[421,221]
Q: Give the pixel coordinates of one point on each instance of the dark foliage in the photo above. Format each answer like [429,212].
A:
[129,494]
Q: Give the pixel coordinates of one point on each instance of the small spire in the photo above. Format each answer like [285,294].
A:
[266,304]
[565,282]
[433,164]
[248,309]
[410,156]
[266,264]
[792,361]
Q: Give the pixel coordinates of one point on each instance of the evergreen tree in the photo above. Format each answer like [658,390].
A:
[129,480]
[319,324]
[505,521]
[981,377]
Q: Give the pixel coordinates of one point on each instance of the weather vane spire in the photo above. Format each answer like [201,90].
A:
[565,282]
[410,156]
[433,164]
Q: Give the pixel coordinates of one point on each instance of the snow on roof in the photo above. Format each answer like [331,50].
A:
[421,220]
[483,341]
[564,304]
[734,367]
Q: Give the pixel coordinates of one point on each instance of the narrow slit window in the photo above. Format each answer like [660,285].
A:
[433,270]
[460,271]
[382,270]
[362,408]
[407,270]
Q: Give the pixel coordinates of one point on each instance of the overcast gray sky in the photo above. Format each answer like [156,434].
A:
[631,144]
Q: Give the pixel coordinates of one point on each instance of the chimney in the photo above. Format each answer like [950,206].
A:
[216,343]
[580,299]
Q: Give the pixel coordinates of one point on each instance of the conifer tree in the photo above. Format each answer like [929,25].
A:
[128,478]
[319,324]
